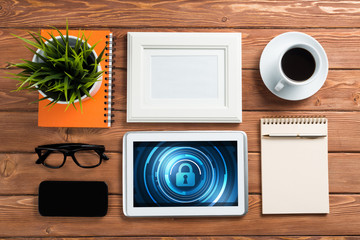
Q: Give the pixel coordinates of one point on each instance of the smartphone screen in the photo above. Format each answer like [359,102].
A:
[73,198]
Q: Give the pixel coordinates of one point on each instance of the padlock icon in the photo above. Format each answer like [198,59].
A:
[185,179]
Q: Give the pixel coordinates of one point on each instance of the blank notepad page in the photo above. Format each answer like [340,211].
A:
[294,165]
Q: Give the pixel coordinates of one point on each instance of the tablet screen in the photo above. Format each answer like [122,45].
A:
[170,174]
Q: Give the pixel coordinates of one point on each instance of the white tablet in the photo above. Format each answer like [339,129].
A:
[194,173]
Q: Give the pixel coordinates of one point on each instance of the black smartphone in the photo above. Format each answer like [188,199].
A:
[73,198]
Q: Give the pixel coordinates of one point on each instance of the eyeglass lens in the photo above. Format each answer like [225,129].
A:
[87,158]
[54,158]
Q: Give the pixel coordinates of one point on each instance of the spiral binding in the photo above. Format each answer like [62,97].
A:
[294,120]
[108,103]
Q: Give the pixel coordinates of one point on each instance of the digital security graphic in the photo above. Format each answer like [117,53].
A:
[185,174]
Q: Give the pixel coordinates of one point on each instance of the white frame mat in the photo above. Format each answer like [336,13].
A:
[184,77]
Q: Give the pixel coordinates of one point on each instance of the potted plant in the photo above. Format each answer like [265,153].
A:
[64,69]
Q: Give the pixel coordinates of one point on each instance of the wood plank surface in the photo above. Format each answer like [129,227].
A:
[22,219]
[340,92]
[255,40]
[253,43]
[195,238]
[20,175]
[19,127]
[181,13]
[343,129]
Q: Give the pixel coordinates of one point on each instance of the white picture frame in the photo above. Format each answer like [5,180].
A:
[184,77]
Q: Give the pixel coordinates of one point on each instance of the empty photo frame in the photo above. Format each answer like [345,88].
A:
[184,77]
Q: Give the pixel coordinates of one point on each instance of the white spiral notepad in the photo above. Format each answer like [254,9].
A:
[294,165]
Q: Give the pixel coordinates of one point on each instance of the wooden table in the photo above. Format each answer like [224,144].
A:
[335,24]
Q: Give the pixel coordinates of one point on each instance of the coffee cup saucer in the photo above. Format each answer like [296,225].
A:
[269,64]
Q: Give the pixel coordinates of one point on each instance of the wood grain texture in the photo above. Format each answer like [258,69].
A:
[342,220]
[20,175]
[255,40]
[15,101]
[181,13]
[340,92]
[196,238]
[21,134]
[253,43]
[343,129]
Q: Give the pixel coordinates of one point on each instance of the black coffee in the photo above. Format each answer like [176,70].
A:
[298,64]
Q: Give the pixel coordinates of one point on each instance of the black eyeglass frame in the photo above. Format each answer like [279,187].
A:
[69,149]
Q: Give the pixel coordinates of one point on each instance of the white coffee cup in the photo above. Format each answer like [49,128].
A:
[284,80]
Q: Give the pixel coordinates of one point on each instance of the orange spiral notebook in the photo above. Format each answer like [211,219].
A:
[97,111]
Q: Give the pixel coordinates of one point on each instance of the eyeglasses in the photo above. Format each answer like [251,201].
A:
[84,155]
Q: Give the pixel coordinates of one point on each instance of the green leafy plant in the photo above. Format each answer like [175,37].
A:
[64,72]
